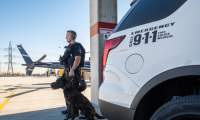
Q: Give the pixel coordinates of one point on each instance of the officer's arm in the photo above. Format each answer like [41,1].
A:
[76,62]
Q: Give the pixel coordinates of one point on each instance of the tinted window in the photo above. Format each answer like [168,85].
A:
[146,11]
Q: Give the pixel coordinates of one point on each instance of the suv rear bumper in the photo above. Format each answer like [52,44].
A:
[115,112]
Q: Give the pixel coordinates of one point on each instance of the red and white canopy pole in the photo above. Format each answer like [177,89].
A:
[103,18]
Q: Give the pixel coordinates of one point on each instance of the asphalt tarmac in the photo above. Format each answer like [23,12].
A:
[31,98]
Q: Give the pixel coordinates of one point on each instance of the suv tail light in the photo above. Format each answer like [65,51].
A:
[109,45]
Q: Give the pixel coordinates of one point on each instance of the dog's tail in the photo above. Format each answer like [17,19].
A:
[98,116]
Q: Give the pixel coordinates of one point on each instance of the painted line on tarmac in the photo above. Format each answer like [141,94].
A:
[4,102]
[12,94]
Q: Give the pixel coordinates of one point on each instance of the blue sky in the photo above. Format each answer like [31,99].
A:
[40,26]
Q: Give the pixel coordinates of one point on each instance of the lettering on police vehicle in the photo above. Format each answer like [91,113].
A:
[151,34]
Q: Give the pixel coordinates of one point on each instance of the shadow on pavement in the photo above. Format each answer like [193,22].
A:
[47,114]
[42,84]
[21,93]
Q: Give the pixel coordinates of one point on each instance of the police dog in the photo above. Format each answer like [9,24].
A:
[78,102]
[76,99]
[59,83]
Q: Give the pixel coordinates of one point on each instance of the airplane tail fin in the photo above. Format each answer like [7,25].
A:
[25,55]
[27,59]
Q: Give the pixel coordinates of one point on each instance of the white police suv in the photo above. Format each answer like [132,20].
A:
[152,63]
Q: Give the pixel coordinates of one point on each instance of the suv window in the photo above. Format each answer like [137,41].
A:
[146,11]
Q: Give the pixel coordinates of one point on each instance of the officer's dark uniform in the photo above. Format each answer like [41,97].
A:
[72,50]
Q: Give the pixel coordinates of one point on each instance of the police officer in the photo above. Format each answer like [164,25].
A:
[73,59]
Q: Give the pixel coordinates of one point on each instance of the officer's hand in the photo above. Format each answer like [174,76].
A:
[71,73]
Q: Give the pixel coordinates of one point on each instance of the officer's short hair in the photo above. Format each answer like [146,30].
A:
[73,33]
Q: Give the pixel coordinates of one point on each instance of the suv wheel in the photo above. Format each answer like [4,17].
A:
[179,108]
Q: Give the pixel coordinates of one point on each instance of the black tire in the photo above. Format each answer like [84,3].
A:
[179,108]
